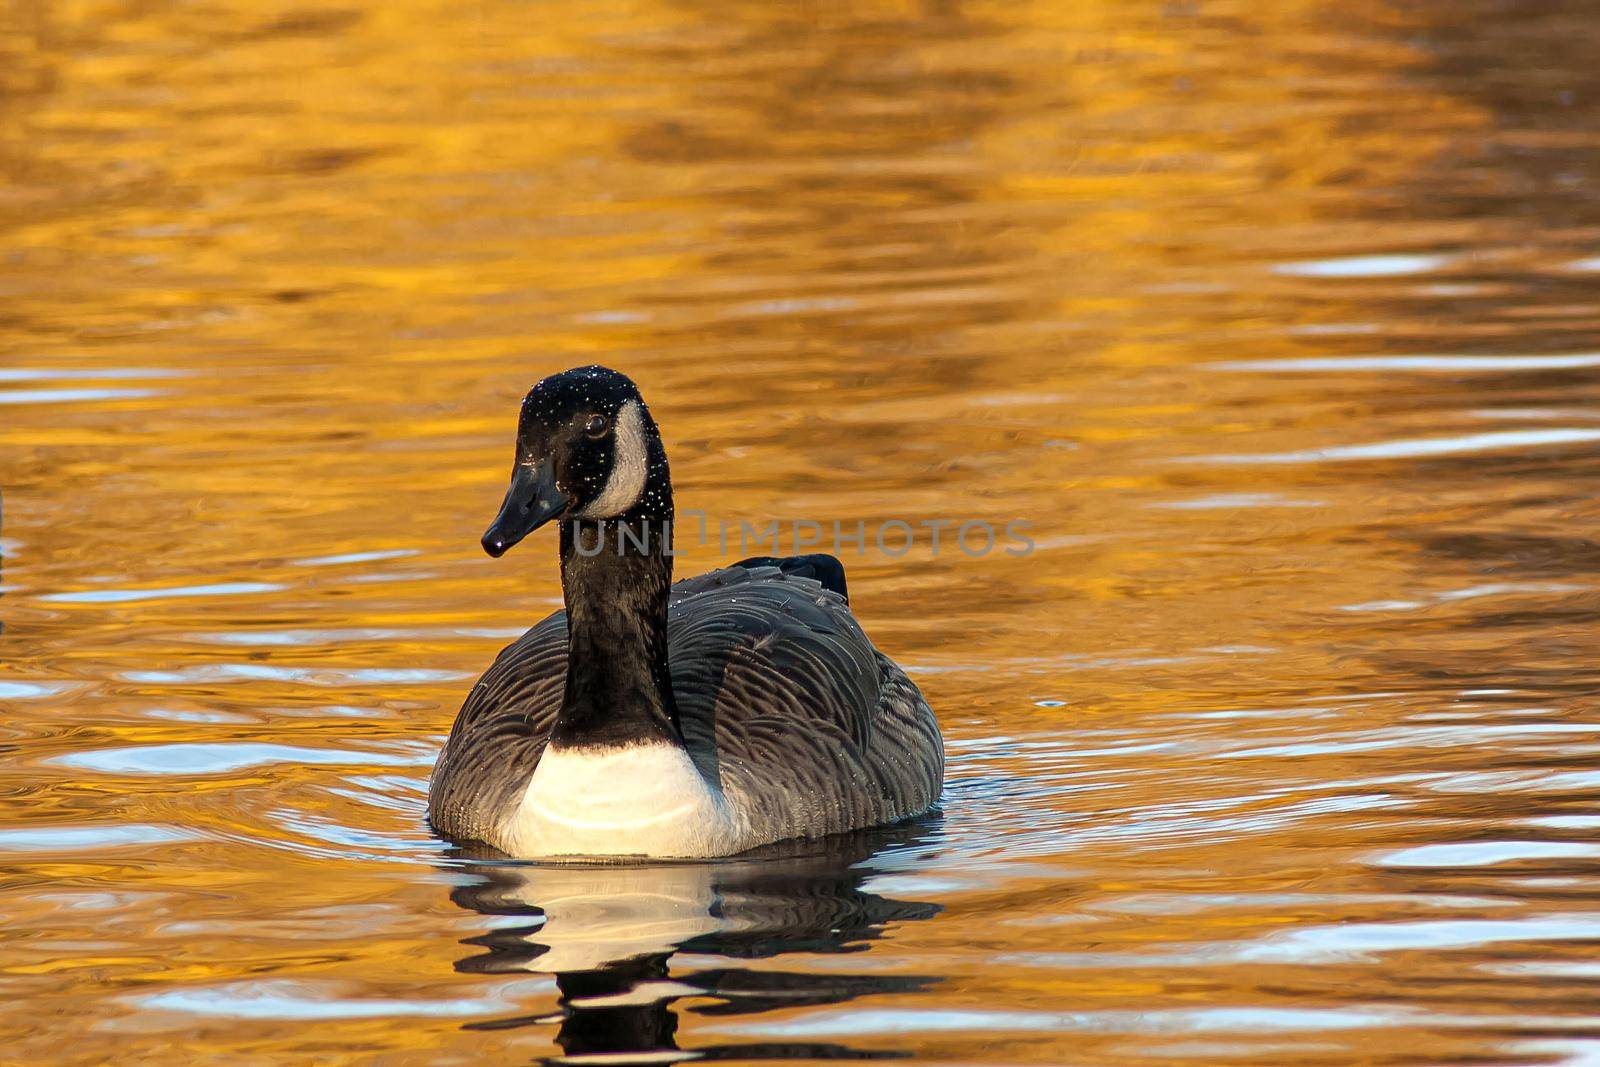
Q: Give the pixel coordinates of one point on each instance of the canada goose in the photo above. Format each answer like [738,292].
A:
[702,718]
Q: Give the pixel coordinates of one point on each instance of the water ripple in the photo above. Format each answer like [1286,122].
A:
[324,676]
[222,757]
[1442,364]
[128,596]
[37,374]
[1414,448]
[1370,266]
[305,1001]
[64,396]
[73,837]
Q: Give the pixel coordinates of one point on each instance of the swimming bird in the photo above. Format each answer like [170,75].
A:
[658,719]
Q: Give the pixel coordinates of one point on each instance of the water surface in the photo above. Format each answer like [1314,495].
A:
[1276,322]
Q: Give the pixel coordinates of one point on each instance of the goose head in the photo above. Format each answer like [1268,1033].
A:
[587,448]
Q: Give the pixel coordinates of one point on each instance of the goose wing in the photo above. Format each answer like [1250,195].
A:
[747,644]
[499,734]
[788,704]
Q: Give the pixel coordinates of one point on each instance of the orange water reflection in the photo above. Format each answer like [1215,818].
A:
[1278,326]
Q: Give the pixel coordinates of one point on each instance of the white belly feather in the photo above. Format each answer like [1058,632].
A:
[633,800]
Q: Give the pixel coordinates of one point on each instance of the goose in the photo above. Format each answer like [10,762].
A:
[655,719]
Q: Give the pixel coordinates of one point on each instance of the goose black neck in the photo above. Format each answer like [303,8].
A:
[615,576]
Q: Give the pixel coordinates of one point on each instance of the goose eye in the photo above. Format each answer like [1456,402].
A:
[597,426]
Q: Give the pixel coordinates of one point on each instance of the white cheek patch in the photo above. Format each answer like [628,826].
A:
[630,465]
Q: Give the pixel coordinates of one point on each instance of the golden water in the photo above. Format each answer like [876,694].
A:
[1276,321]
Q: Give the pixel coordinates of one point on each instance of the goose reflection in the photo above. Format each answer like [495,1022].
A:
[608,932]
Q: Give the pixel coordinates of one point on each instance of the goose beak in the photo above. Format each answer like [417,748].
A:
[532,500]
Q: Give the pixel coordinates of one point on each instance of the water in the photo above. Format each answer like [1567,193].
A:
[1277,323]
